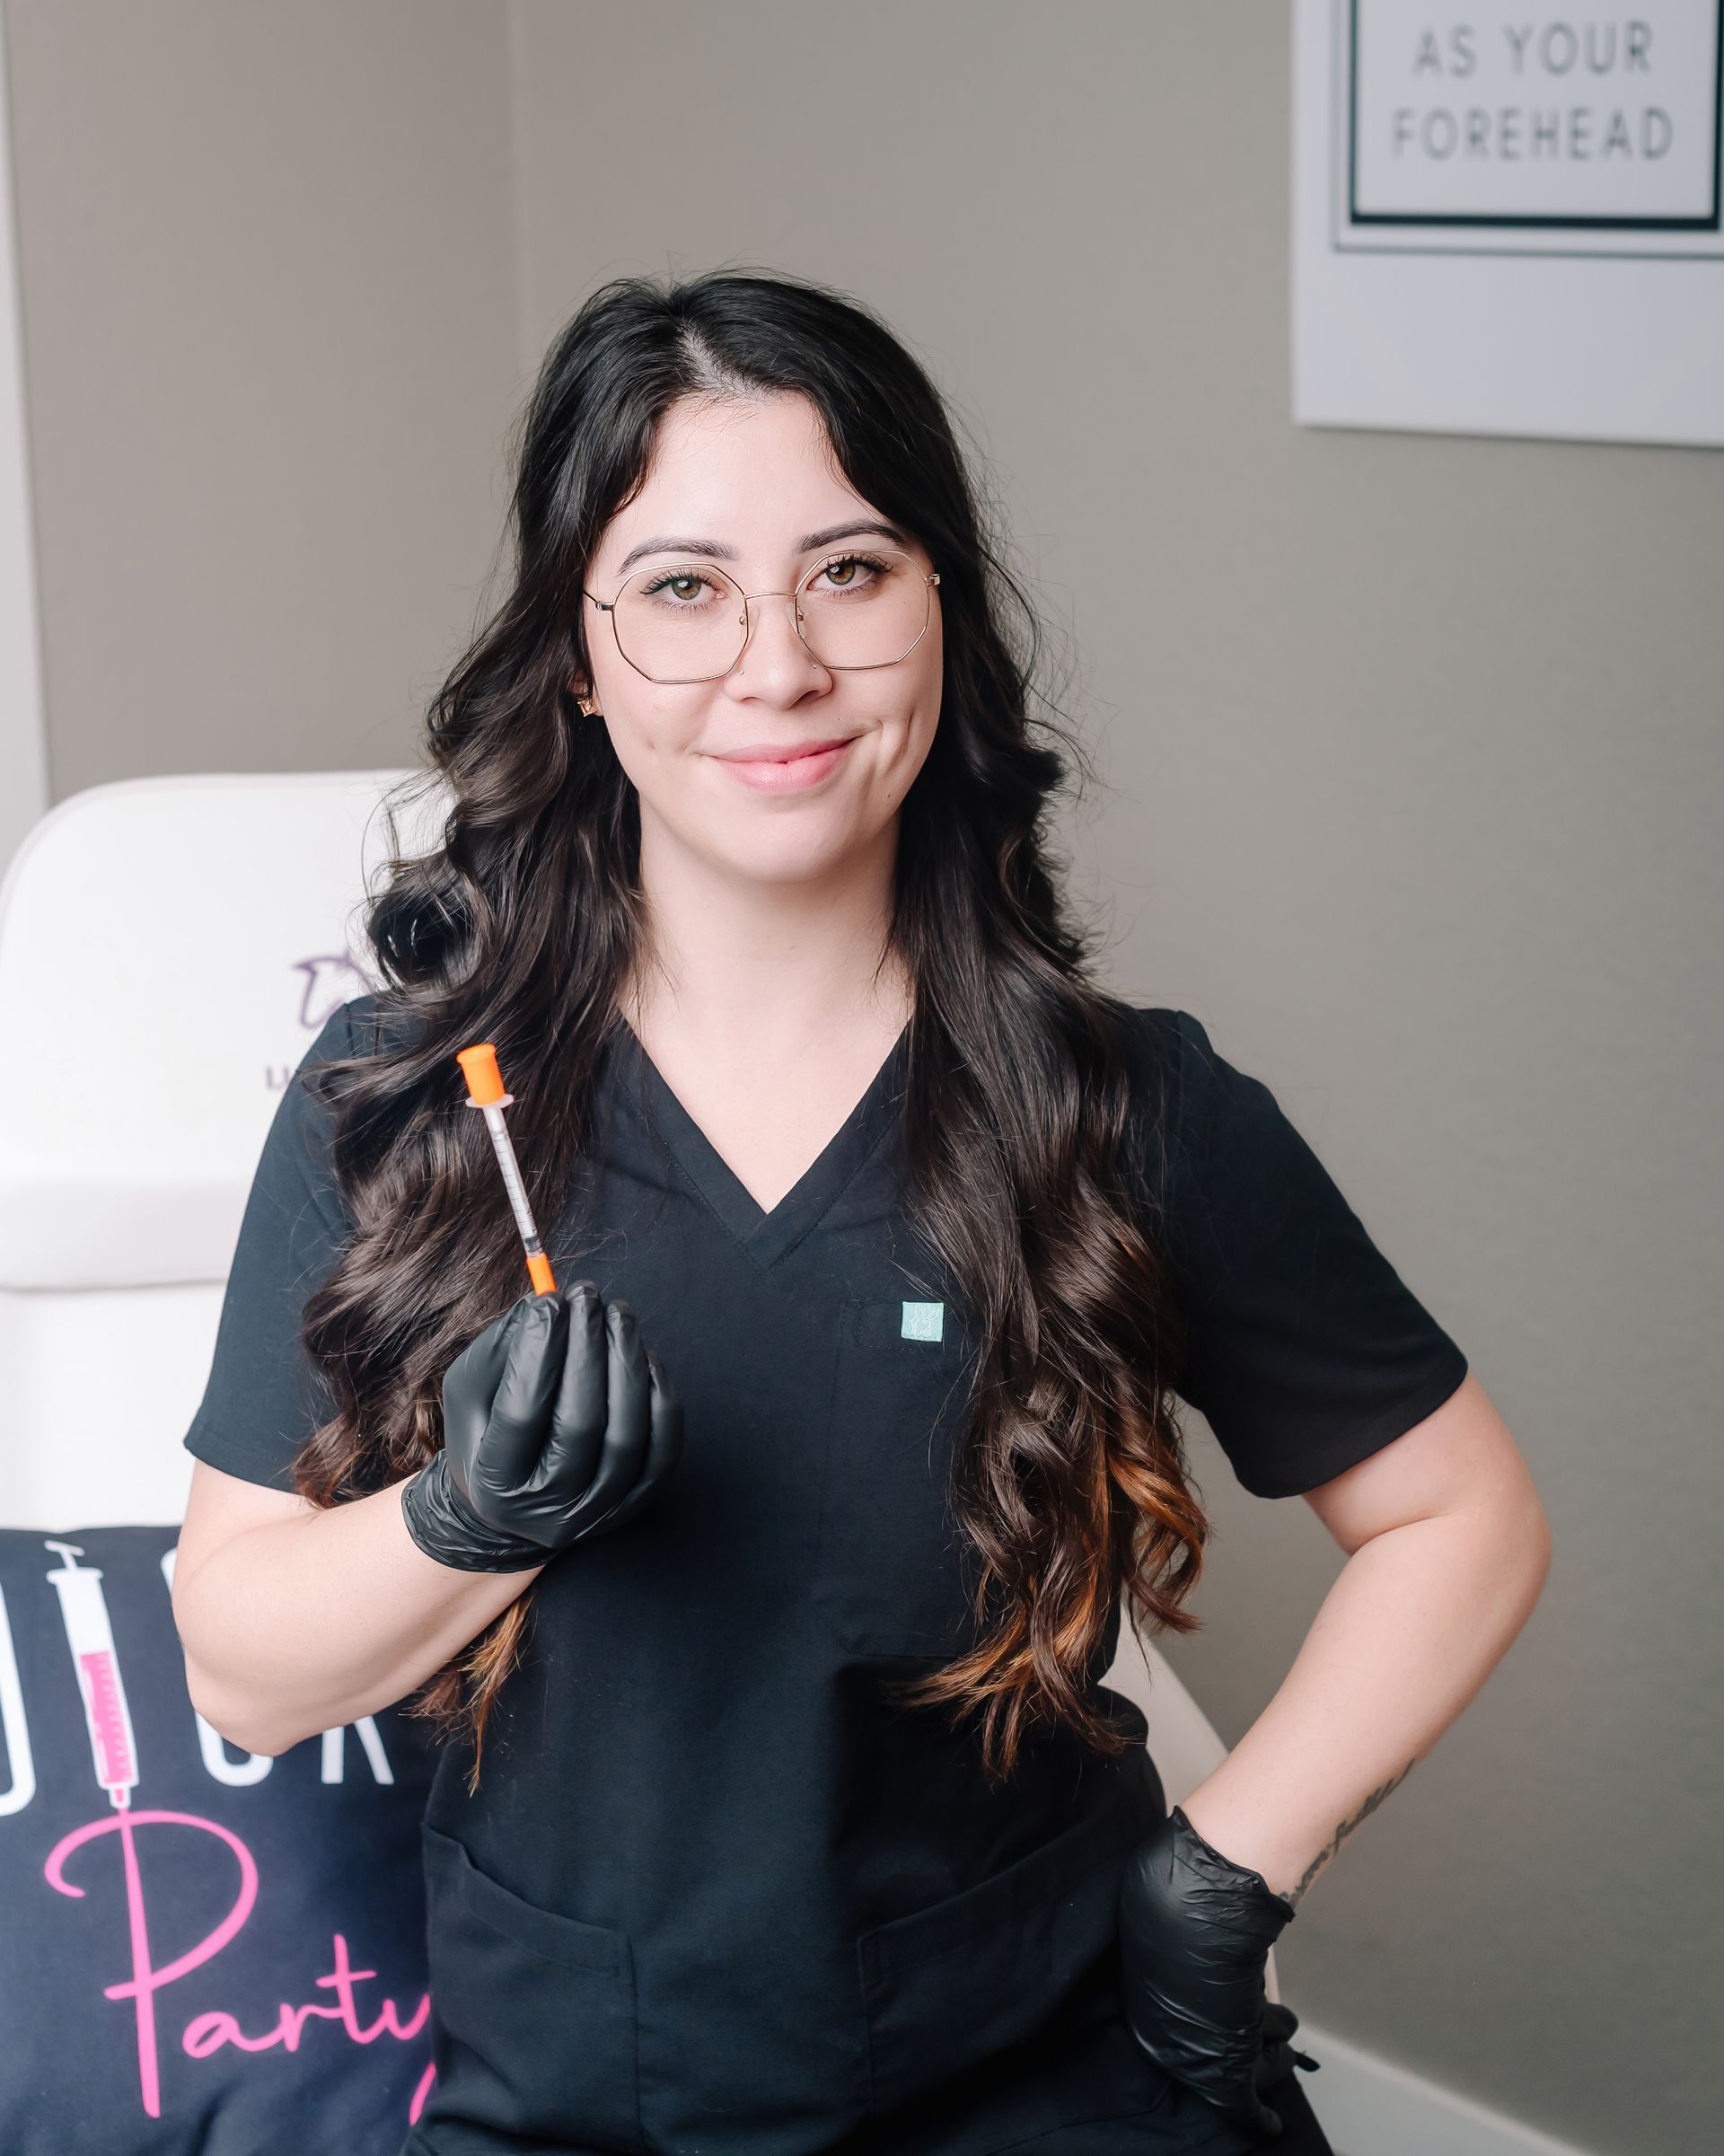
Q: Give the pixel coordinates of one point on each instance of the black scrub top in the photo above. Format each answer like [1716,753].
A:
[716,1893]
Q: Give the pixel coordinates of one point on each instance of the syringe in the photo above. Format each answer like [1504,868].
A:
[485,1091]
[90,1638]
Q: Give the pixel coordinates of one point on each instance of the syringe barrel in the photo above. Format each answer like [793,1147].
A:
[498,1128]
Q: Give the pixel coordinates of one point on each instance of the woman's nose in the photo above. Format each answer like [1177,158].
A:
[774,647]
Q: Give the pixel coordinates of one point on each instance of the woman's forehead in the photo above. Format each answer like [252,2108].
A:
[756,474]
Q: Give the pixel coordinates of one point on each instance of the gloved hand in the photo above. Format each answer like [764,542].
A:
[558,1425]
[1195,1930]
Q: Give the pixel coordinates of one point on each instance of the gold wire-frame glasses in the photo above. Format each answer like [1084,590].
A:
[928,579]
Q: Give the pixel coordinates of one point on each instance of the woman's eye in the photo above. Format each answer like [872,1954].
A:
[682,585]
[844,572]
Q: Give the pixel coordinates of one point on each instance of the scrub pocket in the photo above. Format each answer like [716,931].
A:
[533,2022]
[959,1983]
[890,1577]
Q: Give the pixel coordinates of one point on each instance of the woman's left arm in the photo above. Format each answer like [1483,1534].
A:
[1448,1548]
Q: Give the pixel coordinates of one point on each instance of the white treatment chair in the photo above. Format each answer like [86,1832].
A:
[169,949]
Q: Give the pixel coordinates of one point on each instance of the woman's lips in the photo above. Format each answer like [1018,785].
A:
[790,774]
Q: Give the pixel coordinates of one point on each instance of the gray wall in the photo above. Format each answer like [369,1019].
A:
[268,303]
[1412,747]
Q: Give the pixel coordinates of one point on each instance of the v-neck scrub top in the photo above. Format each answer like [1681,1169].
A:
[716,1895]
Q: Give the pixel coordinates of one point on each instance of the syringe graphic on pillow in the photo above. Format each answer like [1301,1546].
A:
[83,1610]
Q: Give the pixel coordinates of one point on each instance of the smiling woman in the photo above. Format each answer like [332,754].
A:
[810,1814]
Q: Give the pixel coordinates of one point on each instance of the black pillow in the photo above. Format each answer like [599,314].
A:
[259,1985]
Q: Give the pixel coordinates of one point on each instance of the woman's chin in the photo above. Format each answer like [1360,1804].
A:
[800,850]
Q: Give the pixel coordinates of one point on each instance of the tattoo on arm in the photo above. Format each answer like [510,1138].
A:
[1296,1894]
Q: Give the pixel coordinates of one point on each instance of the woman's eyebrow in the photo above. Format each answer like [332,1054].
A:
[716,550]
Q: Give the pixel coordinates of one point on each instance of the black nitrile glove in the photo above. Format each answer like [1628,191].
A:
[1195,1930]
[558,1425]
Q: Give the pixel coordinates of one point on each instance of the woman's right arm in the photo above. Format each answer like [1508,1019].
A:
[295,1619]
[560,1424]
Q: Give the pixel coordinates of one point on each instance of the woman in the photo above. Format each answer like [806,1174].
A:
[763,1578]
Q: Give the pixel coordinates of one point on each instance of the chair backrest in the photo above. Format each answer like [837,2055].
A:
[169,947]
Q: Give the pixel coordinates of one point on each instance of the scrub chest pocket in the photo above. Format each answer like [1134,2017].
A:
[890,1577]
[540,2007]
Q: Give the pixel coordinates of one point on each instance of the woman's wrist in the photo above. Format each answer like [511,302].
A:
[1203,1855]
[450,1534]
[1238,1834]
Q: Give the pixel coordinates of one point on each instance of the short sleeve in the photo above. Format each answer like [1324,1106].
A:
[1306,1350]
[264,1395]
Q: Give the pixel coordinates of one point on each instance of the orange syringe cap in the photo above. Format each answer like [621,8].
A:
[485,1086]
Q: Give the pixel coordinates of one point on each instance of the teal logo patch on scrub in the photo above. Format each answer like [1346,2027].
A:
[924,1321]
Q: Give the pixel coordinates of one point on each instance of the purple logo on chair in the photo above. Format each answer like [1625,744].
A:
[329,983]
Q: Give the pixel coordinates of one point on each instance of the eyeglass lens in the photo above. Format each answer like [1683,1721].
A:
[687,620]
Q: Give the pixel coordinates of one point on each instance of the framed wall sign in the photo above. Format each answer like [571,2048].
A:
[1507,218]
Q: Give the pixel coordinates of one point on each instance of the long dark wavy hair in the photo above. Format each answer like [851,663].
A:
[1026,1139]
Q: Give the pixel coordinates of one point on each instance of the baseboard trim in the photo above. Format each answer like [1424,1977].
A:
[1369,2107]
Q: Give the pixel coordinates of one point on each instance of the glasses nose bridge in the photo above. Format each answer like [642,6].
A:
[794,597]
